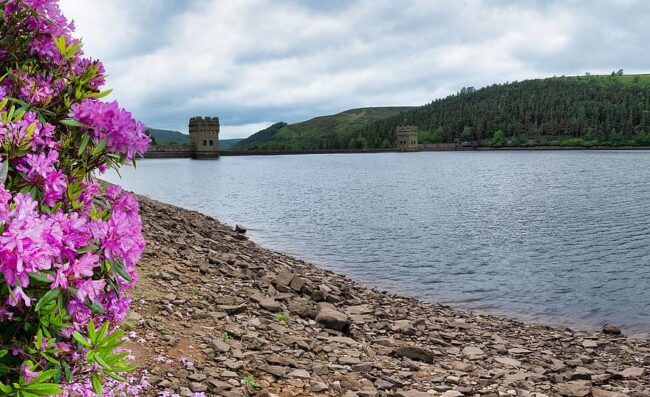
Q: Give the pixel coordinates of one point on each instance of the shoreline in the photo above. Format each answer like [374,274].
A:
[257,322]
[170,151]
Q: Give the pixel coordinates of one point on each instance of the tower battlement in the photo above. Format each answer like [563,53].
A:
[204,135]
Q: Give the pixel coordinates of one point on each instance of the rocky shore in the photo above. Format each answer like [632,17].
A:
[215,313]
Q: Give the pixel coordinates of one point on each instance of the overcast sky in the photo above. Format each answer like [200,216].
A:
[255,62]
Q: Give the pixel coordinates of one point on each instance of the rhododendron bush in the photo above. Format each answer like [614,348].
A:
[68,246]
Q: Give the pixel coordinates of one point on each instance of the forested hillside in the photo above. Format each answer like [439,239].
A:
[586,110]
[336,131]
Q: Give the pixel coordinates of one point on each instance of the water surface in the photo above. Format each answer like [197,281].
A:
[561,237]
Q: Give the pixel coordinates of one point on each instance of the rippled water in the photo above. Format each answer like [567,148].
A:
[562,237]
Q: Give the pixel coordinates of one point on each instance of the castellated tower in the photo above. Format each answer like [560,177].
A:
[204,134]
[407,138]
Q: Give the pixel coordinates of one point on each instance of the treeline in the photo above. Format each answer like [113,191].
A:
[589,110]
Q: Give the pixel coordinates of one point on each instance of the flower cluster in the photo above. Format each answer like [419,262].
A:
[68,245]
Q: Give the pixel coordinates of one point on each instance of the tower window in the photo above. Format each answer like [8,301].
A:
[205,143]
[211,142]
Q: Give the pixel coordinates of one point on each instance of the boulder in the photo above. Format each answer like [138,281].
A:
[331,318]
[415,353]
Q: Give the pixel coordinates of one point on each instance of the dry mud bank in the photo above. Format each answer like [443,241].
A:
[217,314]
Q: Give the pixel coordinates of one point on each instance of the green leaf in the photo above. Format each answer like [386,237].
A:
[3,352]
[80,339]
[47,298]
[44,389]
[72,123]
[92,332]
[119,268]
[88,248]
[97,383]
[99,148]
[5,389]
[4,170]
[84,144]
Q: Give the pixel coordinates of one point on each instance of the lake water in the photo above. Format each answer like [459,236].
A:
[561,237]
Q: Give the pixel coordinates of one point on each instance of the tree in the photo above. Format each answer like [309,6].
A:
[498,139]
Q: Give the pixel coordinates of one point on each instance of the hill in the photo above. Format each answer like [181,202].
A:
[326,132]
[584,110]
[226,144]
[169,137]
[166,137]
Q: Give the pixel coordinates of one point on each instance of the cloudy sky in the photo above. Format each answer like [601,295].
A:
[255,62]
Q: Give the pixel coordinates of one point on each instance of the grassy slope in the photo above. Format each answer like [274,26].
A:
[319,132]
[164,137]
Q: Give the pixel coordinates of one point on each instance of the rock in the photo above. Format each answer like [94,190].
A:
[412,393]
[574,389]
[589,344]
[284,278]
[232,309]
[362,367]
[473,353]
[299,373]
[329,317]
[582,373]
[318,387]
[632,372]
[598,392]
[511,362]
[270,304]
[220,346]
[609,329]
[451,393]
[297,283]
[382,384]
[415,353]
[197,387]
[204,268]
[240,228]
[274,370]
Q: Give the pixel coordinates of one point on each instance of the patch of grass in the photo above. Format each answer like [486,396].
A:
[250,381]
[282,317]
[225,336]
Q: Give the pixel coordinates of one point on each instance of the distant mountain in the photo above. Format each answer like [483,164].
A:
[579,110]
[227,143]
[167,137]
[326,132]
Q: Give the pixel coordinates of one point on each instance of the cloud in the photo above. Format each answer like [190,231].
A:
[251,61]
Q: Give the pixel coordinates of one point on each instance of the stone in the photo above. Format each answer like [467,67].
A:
[452,393]
[297,283]
[473,352]
[415,353]
[511,362]
[240,228]
[299,373]
[284,278]
[382,384]
[274,370]
[331,318]
[197,387]
[412,393]
[589,344]
[270,304]
[318,387]
[362,367]
[574,389]
[609,329]
[220,346]
[632,372]
[232,309]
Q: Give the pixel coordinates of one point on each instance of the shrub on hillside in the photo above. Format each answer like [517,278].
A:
[68,247]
